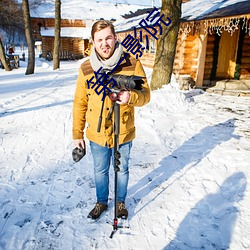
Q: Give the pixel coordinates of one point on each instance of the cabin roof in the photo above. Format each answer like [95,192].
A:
[208,9]
[84,10]
[193,10]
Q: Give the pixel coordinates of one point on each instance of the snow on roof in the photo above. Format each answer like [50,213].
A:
[156,3]
[194,10]
[38,42]
[127,24]
[84,10]
[80,32]
[197,9]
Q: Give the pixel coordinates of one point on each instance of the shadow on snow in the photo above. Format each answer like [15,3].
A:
[190,153]
[23,110]
[209,225]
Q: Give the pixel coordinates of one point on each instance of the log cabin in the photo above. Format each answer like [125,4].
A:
[77,19]
[74,37]
[213,45]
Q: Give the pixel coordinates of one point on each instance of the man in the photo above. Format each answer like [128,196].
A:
[107,52]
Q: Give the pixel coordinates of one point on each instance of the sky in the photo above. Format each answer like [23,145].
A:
[189,169]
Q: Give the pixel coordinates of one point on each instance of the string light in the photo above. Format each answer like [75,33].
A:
[218,25]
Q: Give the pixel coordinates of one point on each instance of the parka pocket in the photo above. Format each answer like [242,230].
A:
[127,119]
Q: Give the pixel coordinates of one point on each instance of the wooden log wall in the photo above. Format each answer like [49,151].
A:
[47,45]
[178,61]
[190,56]
[245,60]
[73,45]
[209,56]
[148,57]
[79,46]
[186,55]
[50,22]
[66,44]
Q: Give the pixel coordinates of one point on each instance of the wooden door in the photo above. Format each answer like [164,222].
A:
[227,55]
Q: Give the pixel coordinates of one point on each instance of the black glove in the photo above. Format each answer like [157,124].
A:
[78,153]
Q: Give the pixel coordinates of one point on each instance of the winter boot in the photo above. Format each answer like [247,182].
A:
[122,211]
[97,210]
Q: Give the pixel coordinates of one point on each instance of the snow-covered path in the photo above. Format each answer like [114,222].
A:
[189,171]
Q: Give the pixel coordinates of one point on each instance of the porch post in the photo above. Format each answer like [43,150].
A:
[201,60]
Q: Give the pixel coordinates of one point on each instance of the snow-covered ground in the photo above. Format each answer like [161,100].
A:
[189,170]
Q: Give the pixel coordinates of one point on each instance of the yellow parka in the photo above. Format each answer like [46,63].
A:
[87,106]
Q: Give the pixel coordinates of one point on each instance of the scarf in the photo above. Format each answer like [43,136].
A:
[96,61]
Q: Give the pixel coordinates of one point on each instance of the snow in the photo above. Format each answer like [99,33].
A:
[127,24]
[84,33]
[189,169]
[149,3]
[87,10]
[192,10]
[195,9]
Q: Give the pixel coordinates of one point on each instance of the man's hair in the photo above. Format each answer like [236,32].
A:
[101,24]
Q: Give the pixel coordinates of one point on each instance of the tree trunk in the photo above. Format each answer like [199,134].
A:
[56,59]
[166,45]
[3,57]
[29,38]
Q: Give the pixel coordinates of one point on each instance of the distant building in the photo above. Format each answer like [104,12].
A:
[74,37]
[77,19]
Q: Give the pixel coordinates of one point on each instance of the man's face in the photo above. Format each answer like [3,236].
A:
[104,42]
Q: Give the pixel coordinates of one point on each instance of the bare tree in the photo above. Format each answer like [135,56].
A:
[11,16]
[166,45]
[11,24]
[3,57]
[56,59]
[28,33]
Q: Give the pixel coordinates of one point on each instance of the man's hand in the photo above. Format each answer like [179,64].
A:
[79,143]
[123,97]
[79,151]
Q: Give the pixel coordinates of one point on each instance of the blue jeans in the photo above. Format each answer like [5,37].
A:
[102,158]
